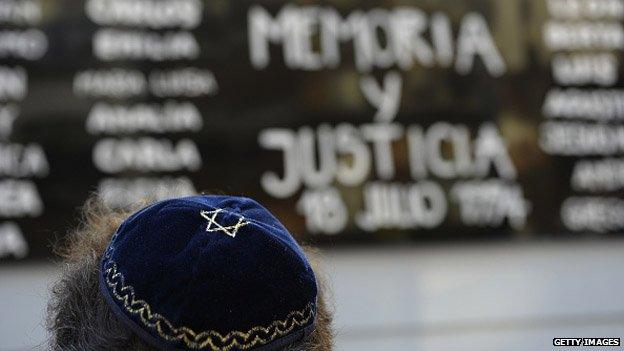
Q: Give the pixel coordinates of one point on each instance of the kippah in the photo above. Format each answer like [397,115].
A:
[209,273]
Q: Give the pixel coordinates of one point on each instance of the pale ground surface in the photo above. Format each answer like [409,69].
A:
[471,297]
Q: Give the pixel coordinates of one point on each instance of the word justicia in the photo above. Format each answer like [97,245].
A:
[348,154]
[311,39]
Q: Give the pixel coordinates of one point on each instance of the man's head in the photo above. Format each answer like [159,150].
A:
[197,273]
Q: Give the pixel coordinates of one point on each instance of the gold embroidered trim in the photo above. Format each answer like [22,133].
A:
[210,338]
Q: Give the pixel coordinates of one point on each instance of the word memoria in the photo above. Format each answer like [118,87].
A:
[312,39]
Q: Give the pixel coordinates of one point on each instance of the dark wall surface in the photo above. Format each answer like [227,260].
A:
[353,121]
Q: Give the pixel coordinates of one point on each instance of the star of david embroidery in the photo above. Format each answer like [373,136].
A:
[214,226]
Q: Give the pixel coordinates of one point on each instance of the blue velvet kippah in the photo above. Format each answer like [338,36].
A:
[209,273]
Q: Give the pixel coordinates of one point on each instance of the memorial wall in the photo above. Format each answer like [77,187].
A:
[354,121]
